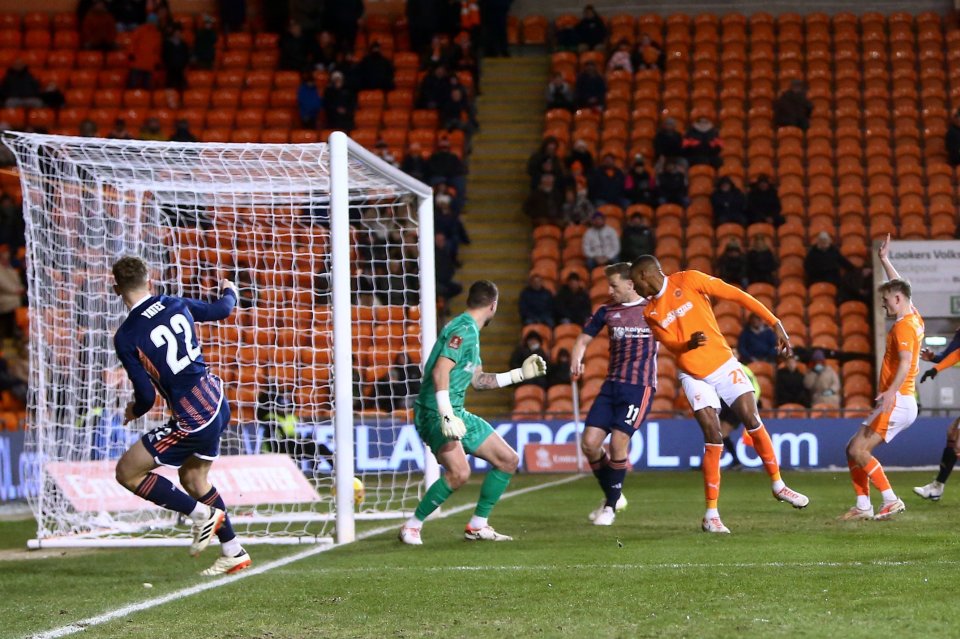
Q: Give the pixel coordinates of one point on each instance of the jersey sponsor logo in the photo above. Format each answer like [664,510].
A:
[677,312]
[677,293]
[630,332]
[455,342]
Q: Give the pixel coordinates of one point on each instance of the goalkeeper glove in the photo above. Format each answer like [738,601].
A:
[930,374]
[533,366]
[452,426]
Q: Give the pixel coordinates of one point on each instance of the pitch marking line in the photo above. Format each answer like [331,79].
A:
[83,624]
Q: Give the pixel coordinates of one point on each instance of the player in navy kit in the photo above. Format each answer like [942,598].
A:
[626,394]
[158,348]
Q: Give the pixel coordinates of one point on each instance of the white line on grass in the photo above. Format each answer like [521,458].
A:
[83,624]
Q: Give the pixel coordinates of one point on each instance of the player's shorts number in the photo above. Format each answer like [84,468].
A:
[632,411]
[737,377]
[164,336]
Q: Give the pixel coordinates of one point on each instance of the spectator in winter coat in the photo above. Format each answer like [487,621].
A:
[580,153]
[205,44]
[639,184]
[789,388]
[793,108]
[20,88]
[146,52]
[176,57]
[953,140]
[51,96]
[444,165]
[339,103]
[435,88]
[607,184]
[620,59]
[414,163]
[559,372]
[572,302]
[591,89]
[98,29]
[763,203]
[577,208]
[702,143]
[11,293]
[374,70]
[543,205]
[545,160]
[559,93]
[182,133]
[729,204]
[762,265]
[591,31]
[601,244]
[732,265]
[824,262]
[649,54]
[667,143]
[296,49]
[757,342]
[457,113]
[536,303]
[531,344]
[821,381]
[672,184]
[309,102]
[637,239]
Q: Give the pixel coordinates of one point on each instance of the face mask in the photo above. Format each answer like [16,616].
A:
[818,368]
[533,346]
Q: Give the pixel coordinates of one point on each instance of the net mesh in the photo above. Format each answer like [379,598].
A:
[258,215]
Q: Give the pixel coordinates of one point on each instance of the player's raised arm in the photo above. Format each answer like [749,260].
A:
[534,366]
[884,253]
[144,393]
[213,311]
[718,288]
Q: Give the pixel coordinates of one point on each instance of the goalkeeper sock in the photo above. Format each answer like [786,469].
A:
[213,498]
[163,493]
[614,486]
[438,493]
[494,485]
[947,462]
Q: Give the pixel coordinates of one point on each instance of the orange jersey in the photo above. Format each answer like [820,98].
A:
[683,308]
[906,335]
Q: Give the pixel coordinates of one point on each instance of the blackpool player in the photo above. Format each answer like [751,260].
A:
[626,394]
[681,317]
[450,431]
[942,361]
[896,405]
[158,347]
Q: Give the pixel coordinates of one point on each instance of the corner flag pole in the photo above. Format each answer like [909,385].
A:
[576,422]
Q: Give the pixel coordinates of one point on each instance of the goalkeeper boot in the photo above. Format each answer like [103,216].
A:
[792,497]
[889,509]
[410,536]
[487,533]
[606,517]
[228,565]
[932,491]
[714,525]
[621,505]
[204,530]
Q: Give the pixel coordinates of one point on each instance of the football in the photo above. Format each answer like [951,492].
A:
[359,492]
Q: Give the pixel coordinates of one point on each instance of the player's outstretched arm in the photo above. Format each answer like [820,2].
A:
[718,288]
[884,253]
[221,309]
[534,366]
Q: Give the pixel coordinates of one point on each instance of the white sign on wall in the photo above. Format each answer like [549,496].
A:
[933,269]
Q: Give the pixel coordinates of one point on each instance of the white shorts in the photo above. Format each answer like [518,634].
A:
[727,382]
[889,425]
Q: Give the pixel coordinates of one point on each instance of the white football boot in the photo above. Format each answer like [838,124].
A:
[228,565]
[932,491]
[889,509]
[606,517]
[714,525]
[410,536]
[487,533]
[792,497]
[621,505]
[856,514]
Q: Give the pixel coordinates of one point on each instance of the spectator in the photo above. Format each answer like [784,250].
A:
[571,305]
[545,160]
[87,129]
[150,130]
[182,133]
[395,390]
[637,238]
[559,93]
[435,88]
[580,153]
[729,204]
[648,54]
[824,262]
[762,265]
[296,50]
[577,208]
[445,268]
[793,108]
[667,143]
[640,185]
[702,143]
[440,53]
[856,285]
[458,113]
[465,57]
[732,264]
[309,102]
[382,150]
[444,165]
[591,31]
[757,342]
[374,70]
[11,222]
[205,44]
[130,14]
[531,344]
[559,372]
[98,28]
[763,202]
[536,303]
[620,58]
[607,184]
[953,140]
[146,50]
[20,88]
[176,57]
[601,244]
[493,26]
[11,294]
[325,53]
[447,221]
[120,130]
[789,388]
[339,103]
[52,96]
[821,381]
[414,163]
[543,205]
[343,16]
[590,91]
[395,287]
[15,373]
[672,184]
[423,22]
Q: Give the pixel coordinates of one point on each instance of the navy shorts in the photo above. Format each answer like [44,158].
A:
[620,407]
[171,445]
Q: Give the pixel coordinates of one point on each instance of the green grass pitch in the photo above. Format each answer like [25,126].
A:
[782,573]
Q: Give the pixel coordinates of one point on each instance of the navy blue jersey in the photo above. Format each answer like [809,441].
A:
[157,345]
[633,350]
[952,346]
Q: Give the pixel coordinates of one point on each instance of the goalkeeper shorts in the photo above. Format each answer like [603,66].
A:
[427,422]
[170,445]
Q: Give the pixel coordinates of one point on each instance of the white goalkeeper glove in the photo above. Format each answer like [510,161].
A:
[452,426]
[533,366]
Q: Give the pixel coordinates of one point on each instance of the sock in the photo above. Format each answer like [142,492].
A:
[162,492]
[231,548]
[413,522]
[861,484]
[730,448]
[476,523]
[438,493]
[711,474]
[601,470]
[493,486]
[213,498]
[200,511]
[879,478]
[947,462]
[615,477]
[711,513]
[764,448]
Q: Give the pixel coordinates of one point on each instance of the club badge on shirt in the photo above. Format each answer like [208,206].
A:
[455,342]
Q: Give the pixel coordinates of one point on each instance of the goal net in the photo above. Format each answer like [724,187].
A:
[326,244]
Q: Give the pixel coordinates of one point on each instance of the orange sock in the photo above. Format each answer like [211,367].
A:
[874,471]
[711,473]
[764,448]
[861,481]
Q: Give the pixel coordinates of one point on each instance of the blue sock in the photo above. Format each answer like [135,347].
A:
[601,470]
[213,498]
[617,471]
[162,492]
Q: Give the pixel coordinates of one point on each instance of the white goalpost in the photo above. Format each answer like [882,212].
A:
[332,252]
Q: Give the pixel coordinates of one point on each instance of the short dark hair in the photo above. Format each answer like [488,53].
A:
[129,272]
[897,285]
[620,268]
[482,293]
[644,262]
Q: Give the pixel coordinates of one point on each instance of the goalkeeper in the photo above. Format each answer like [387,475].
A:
[450,431]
